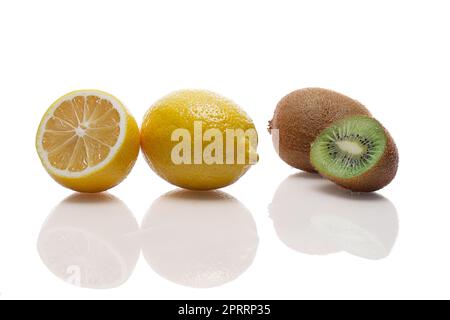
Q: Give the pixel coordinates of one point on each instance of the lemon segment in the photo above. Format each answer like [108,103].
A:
[88,141]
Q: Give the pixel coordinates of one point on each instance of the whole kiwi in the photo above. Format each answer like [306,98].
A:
[301,115]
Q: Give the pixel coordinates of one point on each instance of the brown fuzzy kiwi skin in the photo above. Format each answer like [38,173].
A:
[378,176]
[302,115]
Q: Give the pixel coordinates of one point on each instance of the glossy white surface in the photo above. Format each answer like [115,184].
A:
[276,233]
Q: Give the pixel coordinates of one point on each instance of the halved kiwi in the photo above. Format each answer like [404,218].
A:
[301,116]
[357,153]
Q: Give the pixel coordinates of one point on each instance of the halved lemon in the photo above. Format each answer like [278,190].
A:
[88,141]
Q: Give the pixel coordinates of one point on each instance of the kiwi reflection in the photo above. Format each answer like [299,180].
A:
[89,240]
[313,216]
[199,239]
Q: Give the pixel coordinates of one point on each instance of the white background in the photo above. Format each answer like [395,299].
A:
[391,55]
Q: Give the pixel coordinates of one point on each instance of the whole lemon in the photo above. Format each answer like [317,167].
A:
[198,140]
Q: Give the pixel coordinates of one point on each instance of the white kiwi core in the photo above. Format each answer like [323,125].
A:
[351,147]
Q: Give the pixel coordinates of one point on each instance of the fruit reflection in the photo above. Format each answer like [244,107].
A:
[199,239]
[313,216]
[90,241]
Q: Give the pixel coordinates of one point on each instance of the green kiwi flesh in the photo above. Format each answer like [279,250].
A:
[356,153]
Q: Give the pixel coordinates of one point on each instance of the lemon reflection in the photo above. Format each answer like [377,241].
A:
[89,240]
[313,216]
[199,239]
